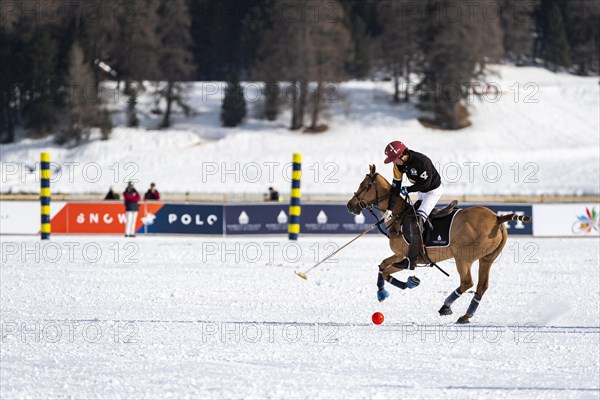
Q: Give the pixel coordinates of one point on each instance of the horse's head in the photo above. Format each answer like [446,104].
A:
[372,191]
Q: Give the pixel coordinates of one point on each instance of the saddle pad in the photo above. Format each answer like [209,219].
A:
[440,235]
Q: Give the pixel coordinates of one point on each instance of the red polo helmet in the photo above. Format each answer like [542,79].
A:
[394,150]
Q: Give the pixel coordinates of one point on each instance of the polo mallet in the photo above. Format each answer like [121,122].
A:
[303,274]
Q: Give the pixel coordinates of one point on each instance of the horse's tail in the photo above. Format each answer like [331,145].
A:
[512,217]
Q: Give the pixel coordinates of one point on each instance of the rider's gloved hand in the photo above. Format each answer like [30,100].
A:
[387,215]
[403,191]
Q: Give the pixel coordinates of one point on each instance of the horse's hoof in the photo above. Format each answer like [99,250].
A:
[445,310]
[382,295]
[463,320]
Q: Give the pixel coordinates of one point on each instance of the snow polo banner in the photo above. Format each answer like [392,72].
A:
[104,218]
[256,218]
[186,218]
[154,217]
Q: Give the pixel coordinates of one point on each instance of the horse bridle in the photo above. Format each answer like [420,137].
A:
[363,204]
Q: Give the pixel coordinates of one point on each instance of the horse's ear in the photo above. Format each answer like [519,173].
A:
[372,168]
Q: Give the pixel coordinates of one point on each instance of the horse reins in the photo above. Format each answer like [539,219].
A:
[363,205]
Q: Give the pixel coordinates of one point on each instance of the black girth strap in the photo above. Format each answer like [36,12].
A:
[378,225]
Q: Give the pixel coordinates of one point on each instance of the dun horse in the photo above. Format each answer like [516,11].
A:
[476,233]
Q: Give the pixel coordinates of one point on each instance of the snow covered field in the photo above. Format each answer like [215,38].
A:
[192,317]
[539,134]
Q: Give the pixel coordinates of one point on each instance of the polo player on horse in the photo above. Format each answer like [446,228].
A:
[425,180]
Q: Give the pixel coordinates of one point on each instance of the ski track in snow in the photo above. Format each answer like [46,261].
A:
[168,317]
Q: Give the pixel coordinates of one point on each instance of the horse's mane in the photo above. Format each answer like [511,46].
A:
[388,184]
[372,171]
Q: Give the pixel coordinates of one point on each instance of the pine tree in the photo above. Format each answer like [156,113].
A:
[8,68]
[281,58]
[106,124]
[518,26]
[233,109]
[81,98]
[271,93]
[40,109]
[175,58]
[128,40]
[315,47]
[328,48]
[556,45]
[398,43]
[131,91]
[583,32]
[361,64]
[455,53]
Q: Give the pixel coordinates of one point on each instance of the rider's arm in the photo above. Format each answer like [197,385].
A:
[395,190]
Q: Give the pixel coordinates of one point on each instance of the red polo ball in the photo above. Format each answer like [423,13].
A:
[377,318]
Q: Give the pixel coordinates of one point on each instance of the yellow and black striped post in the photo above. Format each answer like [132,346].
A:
[45,194]
[294,225]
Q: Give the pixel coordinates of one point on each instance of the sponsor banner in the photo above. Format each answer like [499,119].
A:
[257,218]
[513,227]
[274,218]
[96,217]
[185,218]
[330,218]
[566,220]
[24,217]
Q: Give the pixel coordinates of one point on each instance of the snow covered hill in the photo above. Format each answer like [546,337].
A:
[539,135]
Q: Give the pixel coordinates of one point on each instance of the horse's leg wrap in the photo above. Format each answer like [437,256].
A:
[382,294]
[452,297]
[380,281]
[473,306]
[396,282]
[446,308]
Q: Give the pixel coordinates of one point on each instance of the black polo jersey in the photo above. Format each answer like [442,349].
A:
[420,171]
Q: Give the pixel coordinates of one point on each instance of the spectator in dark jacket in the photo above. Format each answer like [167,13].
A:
[152,193]
[112,195]
[132,199]
[273,195]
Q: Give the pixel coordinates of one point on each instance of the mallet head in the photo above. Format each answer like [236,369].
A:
[301,275]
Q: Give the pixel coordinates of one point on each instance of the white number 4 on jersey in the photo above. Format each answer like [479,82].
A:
[424,175]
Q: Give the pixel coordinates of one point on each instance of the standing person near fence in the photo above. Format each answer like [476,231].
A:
[132,199]
[273,195]
[112,195]
[152,193]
